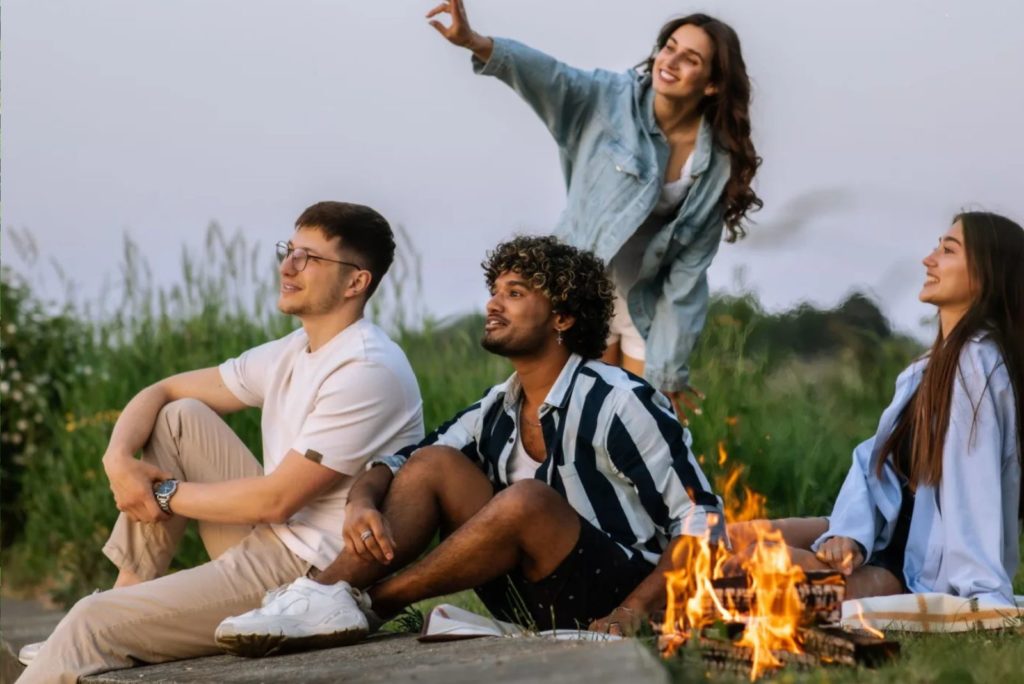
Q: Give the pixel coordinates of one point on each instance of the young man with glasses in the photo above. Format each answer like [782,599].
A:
[334,394]
[559,496]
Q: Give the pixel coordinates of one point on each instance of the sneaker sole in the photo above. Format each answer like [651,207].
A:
[259,645]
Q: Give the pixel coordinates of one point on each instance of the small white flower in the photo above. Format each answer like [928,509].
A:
[13,363]
[5,386]
[87,370]
[16,376]
[16,438]
[11,328]
[30,388]
[22,425]
[17,396]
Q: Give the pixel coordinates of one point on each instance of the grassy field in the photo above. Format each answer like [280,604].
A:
[791,419]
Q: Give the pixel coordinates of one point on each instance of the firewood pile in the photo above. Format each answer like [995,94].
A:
[819,641]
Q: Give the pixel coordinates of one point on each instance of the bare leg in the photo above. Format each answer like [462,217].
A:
[126,578]
[439,488]
[634,366]
[796,532]
[528,525]
[612,354]
[871,580]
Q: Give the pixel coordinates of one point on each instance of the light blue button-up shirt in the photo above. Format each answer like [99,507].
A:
[964,533]
[614,158]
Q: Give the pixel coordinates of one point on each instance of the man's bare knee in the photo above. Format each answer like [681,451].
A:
[530,498]
[436,461]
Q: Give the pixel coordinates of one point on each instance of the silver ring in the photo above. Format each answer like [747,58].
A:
[366,535]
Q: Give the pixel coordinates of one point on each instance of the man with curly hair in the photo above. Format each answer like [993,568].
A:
[558,496]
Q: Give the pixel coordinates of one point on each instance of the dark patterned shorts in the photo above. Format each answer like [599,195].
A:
[591,581]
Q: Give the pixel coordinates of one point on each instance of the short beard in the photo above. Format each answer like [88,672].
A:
[511,349]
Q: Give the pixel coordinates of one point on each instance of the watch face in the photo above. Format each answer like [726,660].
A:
[165,487]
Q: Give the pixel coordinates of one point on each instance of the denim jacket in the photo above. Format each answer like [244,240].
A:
[614,158]
[964,532]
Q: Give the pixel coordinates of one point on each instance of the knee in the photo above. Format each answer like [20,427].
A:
[85,610]
[434,461]
[528,499]
[174,415]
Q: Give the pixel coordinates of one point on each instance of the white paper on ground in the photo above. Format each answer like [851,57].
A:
[930,613]
[447,623]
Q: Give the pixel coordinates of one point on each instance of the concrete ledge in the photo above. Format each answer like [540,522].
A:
[402,658]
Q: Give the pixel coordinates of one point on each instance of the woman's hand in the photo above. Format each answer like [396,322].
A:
[367,533]
[686,402]
[458,32]
[841,553]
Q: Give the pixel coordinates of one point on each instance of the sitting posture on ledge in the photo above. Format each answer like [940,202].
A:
[558,496]
[333,394]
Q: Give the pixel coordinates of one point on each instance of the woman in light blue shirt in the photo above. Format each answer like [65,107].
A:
[657,162]
[933,501]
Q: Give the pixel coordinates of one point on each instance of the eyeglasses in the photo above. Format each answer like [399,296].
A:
[300,257]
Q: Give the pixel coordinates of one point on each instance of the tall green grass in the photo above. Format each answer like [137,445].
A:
[791,422]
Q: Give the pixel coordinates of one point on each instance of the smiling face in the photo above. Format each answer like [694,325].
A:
[319,288]
[682,68]
[948,283]
[520,321]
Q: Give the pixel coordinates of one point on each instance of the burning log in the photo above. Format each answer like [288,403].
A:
[823,647]
[857,647]
[821,594]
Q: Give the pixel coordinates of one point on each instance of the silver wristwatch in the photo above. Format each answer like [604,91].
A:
[163,491]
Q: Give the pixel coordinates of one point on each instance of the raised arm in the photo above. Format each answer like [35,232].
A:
[458,31]
[562,96]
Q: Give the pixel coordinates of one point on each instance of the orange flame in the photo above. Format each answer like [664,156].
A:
[775,609]
[864,623]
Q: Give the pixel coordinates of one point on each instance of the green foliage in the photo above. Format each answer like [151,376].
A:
[788,410]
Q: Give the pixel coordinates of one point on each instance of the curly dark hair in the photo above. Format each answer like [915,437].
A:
[574,280]
[728,110]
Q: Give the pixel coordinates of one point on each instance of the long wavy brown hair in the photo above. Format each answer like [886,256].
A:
[994,247]
[728,111]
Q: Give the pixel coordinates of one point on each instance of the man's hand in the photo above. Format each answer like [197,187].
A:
[686,402]
[131,482]
[841,553]
[367,533]
[458,32]
[622,621]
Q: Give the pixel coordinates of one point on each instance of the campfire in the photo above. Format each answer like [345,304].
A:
[753,609]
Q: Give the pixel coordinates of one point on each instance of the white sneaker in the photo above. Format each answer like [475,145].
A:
[29,652]
[298,616]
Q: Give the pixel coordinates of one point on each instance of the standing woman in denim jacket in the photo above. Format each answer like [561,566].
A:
[658,161]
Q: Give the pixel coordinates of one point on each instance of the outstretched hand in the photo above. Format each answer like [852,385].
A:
[458,31]
[686,402]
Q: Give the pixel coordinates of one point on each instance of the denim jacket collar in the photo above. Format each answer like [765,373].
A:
[705,136]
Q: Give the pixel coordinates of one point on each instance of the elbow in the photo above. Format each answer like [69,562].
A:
[278,511]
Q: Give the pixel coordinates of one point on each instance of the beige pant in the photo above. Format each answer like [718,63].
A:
[172,617]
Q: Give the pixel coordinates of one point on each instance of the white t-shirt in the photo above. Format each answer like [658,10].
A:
[354,398]
[625,265]
[521,465]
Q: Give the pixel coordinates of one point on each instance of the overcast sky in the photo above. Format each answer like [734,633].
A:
[877,120]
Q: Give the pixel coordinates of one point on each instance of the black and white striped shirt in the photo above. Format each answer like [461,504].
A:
[615,450]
